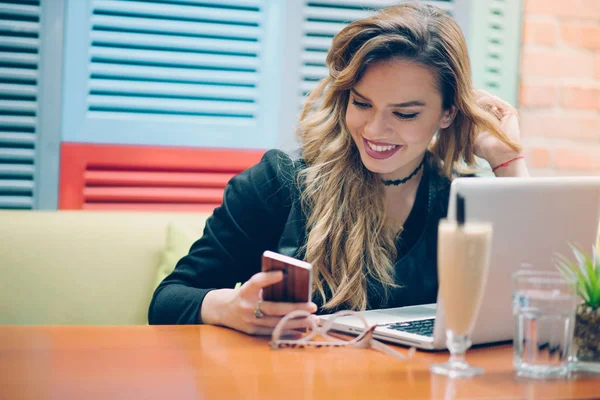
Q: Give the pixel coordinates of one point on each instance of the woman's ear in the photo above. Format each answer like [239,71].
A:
[447,117]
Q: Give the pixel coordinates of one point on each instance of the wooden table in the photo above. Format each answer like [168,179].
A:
[186,362]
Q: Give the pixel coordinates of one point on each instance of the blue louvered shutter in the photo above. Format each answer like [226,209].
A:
[495,45]
[19,72]
[179,72]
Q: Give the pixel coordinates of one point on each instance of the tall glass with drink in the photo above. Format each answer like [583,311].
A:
[463,262]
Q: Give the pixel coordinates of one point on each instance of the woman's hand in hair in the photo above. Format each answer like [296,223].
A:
[235,308]
[488,146]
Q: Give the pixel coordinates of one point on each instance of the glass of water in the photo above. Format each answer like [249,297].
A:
[544,304]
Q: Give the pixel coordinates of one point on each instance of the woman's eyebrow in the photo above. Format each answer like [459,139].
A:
[405,104]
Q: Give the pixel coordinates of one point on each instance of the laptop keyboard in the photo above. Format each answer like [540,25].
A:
[423,327]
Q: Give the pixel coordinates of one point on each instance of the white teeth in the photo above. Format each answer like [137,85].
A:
[381,148]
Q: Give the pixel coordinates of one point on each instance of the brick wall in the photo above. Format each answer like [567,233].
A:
[559,96]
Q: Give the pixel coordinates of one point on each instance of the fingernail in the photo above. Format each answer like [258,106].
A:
[313,307]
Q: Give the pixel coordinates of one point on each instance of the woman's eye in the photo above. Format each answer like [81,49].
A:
[397,114]
[360,105]
[406,116]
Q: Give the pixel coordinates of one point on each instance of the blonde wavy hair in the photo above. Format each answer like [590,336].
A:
[348,239]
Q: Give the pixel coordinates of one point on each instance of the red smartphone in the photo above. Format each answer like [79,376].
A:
[296,286]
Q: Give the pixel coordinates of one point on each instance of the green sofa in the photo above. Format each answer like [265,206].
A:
[86,267]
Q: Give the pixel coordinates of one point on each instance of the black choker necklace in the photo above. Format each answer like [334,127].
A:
[402,181]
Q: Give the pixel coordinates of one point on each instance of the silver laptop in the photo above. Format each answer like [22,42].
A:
[533,218]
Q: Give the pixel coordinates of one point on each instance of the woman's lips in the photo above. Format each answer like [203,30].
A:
[380,155]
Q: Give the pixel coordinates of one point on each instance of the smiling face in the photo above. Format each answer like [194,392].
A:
[393,113]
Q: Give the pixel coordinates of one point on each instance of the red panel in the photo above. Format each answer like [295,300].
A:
[163,179]
[152,195]
[119,177]
[150,207]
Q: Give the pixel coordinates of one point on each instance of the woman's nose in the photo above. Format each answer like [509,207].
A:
[374,127]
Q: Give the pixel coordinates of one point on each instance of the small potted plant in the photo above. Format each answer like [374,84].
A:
[586,339]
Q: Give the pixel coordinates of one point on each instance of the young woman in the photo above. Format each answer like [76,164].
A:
[382,136]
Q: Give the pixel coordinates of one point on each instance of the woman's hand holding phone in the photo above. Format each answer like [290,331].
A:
[235,308]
